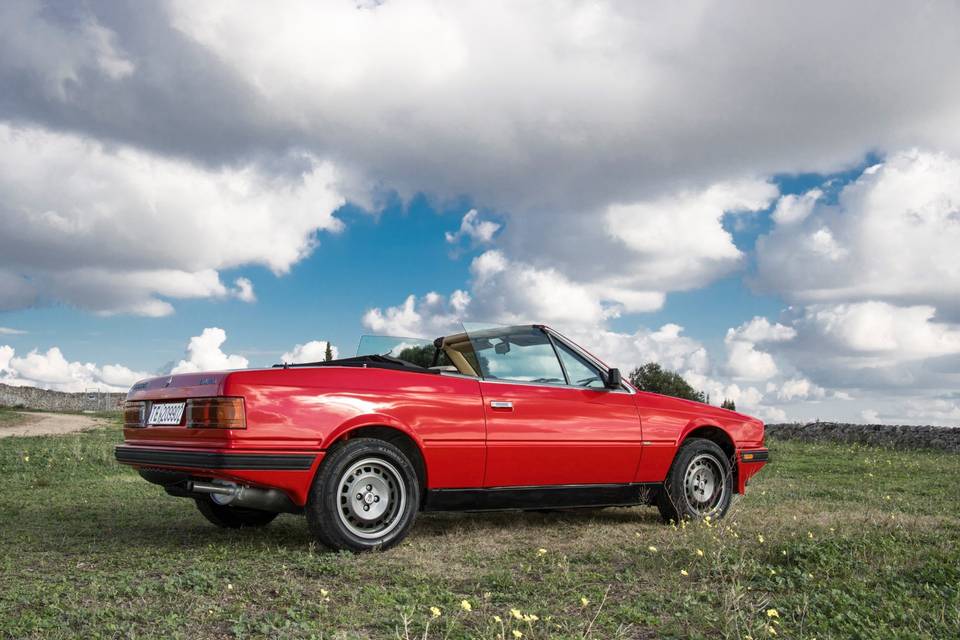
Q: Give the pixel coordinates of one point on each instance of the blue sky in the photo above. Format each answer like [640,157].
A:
[758,197]
[399,248]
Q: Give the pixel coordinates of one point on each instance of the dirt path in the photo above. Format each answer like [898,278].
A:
[47,424]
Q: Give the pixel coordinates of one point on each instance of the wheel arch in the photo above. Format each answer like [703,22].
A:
[388,431]
[719,436]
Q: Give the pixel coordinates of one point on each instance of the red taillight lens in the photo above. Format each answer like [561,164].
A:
[216,413]
[133,414]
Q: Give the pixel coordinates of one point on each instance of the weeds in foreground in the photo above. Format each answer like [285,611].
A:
[831,541]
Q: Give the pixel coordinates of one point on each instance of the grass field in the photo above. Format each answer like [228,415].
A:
[10,418]
[830,542]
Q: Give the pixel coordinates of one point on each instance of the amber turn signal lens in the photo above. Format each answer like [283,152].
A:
[216,413]
[133,414]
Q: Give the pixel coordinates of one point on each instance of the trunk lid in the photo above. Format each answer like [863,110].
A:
[179,386]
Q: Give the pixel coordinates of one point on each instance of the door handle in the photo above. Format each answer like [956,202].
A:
[500,404]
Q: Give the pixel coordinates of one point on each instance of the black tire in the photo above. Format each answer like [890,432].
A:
[365,496]
[229,517]
[692,489]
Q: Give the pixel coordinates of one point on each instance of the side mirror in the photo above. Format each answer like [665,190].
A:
[613,379]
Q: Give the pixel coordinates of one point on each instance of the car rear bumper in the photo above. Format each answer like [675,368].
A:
[290,472]
[154,457]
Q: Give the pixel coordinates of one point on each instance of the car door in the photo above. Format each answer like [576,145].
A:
[549,419]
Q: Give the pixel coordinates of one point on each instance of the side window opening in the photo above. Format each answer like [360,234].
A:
[580,372]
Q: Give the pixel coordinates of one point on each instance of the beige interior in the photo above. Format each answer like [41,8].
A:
[454,346]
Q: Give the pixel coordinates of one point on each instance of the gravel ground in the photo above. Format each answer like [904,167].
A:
[45,424]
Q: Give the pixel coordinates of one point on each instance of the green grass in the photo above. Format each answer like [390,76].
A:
[857,543]
[11,418]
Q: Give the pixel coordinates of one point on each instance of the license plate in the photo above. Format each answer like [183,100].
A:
[166,413]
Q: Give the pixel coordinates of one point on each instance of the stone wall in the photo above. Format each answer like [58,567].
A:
[33,398]
[899,436]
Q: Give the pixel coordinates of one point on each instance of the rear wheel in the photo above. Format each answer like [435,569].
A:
[699,483]
[365,496]
[233,517]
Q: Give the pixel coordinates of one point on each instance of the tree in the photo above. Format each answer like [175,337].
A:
[328,354]
[728,404]
[422,356]
[654,378]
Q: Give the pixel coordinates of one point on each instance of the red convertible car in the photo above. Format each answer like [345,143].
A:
[496,418]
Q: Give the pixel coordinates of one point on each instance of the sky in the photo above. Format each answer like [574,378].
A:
[764,197]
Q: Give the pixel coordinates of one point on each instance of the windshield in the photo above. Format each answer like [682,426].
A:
[527,353]
[522,352]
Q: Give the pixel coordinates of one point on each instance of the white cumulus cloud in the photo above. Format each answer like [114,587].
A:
[312,351]
[474,229]
[204,353]
[51,370]
[891,237]
[124,231]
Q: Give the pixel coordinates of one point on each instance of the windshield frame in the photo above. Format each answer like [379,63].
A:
[554,338]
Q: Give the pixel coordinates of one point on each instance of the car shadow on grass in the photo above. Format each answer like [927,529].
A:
[175,529]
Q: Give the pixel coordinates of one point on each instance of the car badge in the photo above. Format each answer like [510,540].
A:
[169,381]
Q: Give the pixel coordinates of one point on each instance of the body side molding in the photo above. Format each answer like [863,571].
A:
[539,497]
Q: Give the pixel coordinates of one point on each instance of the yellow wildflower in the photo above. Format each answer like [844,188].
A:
[26,458]
[810,534]
[517,634]
[684,572]
[584,601]
[652,549]
[771,630]
[700,552]
[229,587]
[498,619]
[324,593]
[435,612]
[541,551]
[465,605]
[773,613]
[760,538]
[516,614]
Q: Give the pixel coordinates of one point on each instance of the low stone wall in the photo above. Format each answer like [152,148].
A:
[896,436]
[42,399]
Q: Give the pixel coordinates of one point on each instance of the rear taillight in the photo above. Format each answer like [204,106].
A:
[216,413]
[133,414]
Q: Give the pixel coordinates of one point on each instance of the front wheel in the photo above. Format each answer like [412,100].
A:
[365,496]
[699,483]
